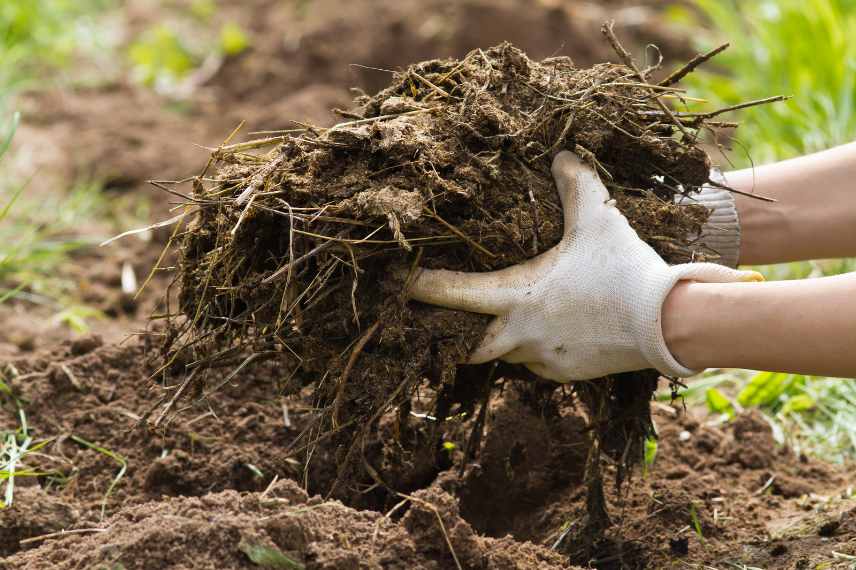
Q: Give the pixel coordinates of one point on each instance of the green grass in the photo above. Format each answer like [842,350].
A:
[805,49]
[42,36]
[15,446]
[36,238]
[800,48]
[811,414]
[123,466]
[40,43]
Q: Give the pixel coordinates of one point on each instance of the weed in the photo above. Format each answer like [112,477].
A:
[696,522]
[36,237]
[123,466]
[14,447]
[650,455]
[160,57]
[233,40]
[268,557]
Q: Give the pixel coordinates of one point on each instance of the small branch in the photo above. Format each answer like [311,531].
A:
[273,276]
[175,397]
[436,89]
[739,106]
[61,533]
[607,30]
[747,194]
[352,360]
[461,234]
[679,74]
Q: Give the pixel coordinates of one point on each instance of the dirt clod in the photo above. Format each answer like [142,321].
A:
[300,253]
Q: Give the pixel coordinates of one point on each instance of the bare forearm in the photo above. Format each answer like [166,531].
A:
[806,326]
[814,216]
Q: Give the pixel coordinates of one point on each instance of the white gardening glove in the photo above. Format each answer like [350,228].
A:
[586,308]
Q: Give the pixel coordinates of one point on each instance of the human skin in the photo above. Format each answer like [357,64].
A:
[814,216]
[806,326]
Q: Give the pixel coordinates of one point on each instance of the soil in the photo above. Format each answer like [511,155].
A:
[204,491]
[227,481]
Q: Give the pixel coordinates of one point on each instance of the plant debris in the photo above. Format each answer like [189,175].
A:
[299,242]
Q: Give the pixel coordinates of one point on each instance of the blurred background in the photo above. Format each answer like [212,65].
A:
[99,96]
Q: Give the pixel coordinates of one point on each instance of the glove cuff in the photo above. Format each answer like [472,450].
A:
[721,232]
[649,322]
[648,316]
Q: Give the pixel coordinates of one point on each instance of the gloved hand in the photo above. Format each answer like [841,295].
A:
[586,308]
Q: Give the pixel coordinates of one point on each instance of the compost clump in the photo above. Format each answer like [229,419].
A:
[301,243]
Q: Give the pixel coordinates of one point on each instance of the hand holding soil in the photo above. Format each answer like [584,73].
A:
[588,307]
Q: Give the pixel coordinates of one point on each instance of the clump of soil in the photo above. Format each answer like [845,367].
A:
[284,528]
[300,254]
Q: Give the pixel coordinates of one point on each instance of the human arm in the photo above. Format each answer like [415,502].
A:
[814,216]
[806,326]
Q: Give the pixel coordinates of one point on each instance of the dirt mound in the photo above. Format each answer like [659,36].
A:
[756,502]
[283,528]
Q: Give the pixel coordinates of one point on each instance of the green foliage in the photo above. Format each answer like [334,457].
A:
[267,557]
[203,10]
[233,40]
[38,238]
[38,35]
[801,48]
[696,522]
[718,403]
[14,447]
[160,57]
[123,466]
[811,414]
[650,455]
[765,389]
[805,49]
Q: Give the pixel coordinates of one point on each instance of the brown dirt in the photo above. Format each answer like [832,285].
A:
[195,487]
[194,491]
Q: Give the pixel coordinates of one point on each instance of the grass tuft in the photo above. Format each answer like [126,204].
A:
[123,466]
[817,68]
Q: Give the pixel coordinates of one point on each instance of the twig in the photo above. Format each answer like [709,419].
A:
[690,66]
[436,89]
[712,114]
[61,533]
[460,234]
[175,397]
[381,117]
[747,194]
[352,360]
[607,30]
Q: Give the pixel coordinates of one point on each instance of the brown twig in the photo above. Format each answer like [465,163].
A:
[460,234]
[175,397]
[747,194]
[436,511]
[294,264]
[691,65]
[352,360]
[607,30]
